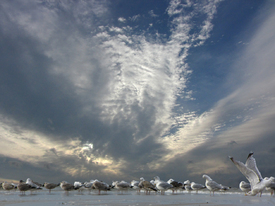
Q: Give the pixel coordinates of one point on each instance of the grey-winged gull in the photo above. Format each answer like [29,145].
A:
[8,186]
[187,185]
[271,187]
[50,186]
[211,185]
[253,175]
[67,186]
[245,187]
[162,186]
[176,185]
[146,186]
[23,187]
[196,186]
[100,186]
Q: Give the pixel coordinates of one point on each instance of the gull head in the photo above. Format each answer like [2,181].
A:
[156,178]
[206,177]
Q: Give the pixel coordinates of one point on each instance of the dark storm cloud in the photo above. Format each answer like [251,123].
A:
[38,99]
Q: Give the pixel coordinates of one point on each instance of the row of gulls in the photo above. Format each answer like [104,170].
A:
[253,175]
[255,186]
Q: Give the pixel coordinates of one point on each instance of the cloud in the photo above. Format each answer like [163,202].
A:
[71,81]
[121,19]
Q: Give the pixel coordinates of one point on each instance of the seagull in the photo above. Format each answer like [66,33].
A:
[161,185]
[121,186]
[146,186]
[134,184]
[8,186]
[23,187]
[50,186]
[66,186]
[176,185]
[211,184]
[99,185]
[253,175]
[187,185]
[34,186]
[79,186]
[244,186]
[271,187]
[197,186]
[89,185]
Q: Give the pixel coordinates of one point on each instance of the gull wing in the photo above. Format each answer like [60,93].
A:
[214,184]
[198,186]
[246,186]
[251,164]
[165,185]
[250,175]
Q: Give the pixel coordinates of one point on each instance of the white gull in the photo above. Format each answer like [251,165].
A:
[211,185]
[253,175]
[162,185]
[197,186]
[244,186]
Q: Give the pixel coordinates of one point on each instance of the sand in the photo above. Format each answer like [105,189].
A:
[130,198]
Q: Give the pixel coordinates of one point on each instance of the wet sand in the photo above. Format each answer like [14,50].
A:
[130,198]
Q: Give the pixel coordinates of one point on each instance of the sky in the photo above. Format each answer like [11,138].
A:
[123,89]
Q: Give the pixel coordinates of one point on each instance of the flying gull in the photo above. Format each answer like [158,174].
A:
[253,175]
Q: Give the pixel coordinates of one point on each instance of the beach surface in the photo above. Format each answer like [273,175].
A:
[130,198]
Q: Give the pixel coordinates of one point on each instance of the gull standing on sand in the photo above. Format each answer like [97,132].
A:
[66,186]
[8,186]
[211,184]
[187,185]
[50,186]
[89,185]
[271,187]
[162,185]
[146,186]
[121,186]
[244,186]
[23,187]
[99,185]
[197,186]
[176,185]
[79,186]
[34,186]
[253,175]
[134,184]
